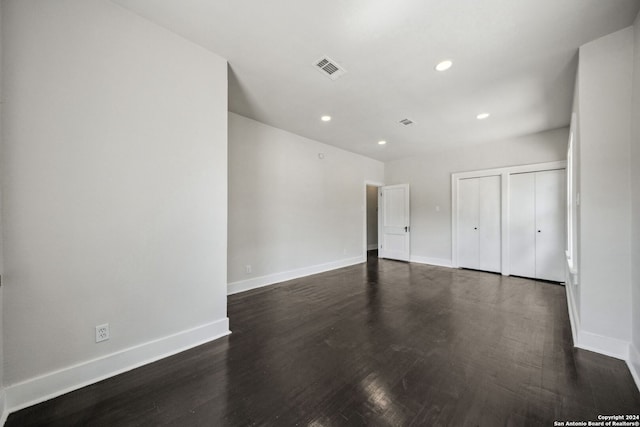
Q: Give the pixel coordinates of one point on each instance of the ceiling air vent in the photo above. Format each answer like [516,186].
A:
[329,68]
[406,122]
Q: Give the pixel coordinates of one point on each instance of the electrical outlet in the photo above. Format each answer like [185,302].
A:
[102,332]
[247,269]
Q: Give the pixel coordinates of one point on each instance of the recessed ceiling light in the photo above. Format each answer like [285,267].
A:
[382,142]
[325,118]
[482,116]
[444,65]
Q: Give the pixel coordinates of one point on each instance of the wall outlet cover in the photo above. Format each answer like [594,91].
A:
[102,332]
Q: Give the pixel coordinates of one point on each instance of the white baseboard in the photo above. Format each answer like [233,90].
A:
[608,346]
[604,345]
[270,279]
[3,408]
[372,247]
[441,262]
[53,384]
[634,363]
[613,347]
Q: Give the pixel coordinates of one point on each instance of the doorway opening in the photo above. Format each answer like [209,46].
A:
[372,219]
[386,221]
[370,242]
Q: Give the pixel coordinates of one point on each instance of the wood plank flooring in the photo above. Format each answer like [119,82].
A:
[378,344]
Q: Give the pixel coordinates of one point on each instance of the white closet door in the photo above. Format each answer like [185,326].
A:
[468,243]
[490,240]
[479,221]
[550,225]
[522,223]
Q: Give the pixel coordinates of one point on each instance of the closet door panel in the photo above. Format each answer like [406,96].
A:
[550,227]
[489,224]
[522,223]
[468,197]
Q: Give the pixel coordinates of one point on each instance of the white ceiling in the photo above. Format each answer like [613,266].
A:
[515,59]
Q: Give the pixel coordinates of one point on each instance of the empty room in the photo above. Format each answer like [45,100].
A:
[336,213]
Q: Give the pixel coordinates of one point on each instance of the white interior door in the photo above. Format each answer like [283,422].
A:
[395,242]
[468,220]
[490,223]
[550,226]
[522,224]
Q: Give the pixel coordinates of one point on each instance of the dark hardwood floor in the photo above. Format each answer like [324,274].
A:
[384,343]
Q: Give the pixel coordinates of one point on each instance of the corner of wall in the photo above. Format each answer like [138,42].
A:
[613,347]
[574,317]
[602,344]
[634,363]
[3,407]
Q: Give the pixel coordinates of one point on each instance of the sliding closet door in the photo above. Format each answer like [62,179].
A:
[468,244]
[522,223]
[490,223]
[537,220]
[479,222]
[550,225]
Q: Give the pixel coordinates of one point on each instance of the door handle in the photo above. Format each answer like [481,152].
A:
[475,228]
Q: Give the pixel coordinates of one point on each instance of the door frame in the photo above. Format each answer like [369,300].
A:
[364,217]
[505,174]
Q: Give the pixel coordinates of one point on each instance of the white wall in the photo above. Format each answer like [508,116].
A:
[635,205]
[2,395]
[604,87]
[290,212]
[114,193]
[372,217]
[430,179]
